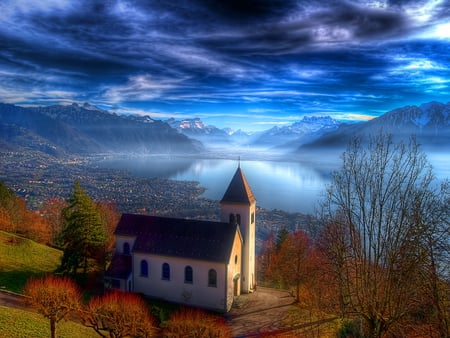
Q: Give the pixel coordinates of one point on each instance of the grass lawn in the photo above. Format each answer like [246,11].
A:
[22,323]
[21,258]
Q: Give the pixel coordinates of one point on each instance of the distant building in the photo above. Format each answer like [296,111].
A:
[192,262]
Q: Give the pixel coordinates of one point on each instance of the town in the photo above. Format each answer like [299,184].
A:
[38,178]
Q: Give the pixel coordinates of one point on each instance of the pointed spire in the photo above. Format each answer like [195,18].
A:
[238,190]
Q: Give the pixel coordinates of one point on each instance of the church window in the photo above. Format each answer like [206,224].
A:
[144,268]
[238,219]
[126,248]
[188,275]
[166,271]
[212,278]
[235,259]
[253,217]
[232,219]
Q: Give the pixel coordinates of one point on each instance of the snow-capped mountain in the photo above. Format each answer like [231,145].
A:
[306,130]
[429,117]
[292,136]
[429,123]
[196,129]
[193,126]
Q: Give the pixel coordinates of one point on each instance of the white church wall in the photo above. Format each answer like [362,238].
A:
[234,271]
[248,229]
[197,293]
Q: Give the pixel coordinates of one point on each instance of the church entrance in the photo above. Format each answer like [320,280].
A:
[236,285]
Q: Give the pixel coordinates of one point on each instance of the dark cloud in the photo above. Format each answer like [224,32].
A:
[250,11]
[366,23]
[328,28]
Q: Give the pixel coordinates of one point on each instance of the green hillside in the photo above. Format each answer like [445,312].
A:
[21,258]
[22,323]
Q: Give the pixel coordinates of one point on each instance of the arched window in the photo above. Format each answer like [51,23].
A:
[238,219]
[188,275]
[232,219]
[166,271]
[126,248]
[212,278]
[144,268]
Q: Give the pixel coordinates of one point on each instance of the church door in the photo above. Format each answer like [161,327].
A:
[236,288]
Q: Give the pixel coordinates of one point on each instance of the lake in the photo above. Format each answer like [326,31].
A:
[290,186]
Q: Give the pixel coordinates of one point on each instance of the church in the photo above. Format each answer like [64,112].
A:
[192,262]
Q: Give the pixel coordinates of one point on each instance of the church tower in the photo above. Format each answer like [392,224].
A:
[238,205]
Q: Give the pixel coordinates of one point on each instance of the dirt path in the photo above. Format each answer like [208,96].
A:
[261,312]
[268,312]
[9,299]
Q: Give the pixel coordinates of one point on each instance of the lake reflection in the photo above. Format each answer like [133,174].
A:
[289,186]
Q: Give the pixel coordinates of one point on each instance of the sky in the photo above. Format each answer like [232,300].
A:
[243,64]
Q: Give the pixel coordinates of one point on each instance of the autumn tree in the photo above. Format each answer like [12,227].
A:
[269,259]
[119,314]
[282,235]
[109,217]
[55,298]
[293,261]
[37,227]
[195,323]
[12,211]
[52,211]
[265,259]
[83,236]
[375,204]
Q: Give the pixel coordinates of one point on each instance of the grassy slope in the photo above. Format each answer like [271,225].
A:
[22,323]
[21,258]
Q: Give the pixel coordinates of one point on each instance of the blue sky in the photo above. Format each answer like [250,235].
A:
[249,64]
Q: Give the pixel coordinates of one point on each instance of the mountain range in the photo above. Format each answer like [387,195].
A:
[85,129]
[429,123]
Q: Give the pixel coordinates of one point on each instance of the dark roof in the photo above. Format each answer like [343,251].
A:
[120,267]
[239,190]
[203,240]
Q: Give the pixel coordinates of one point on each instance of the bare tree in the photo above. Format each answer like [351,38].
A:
[55,298]
[196,323]
[119,314]
[436,245]
[377,210]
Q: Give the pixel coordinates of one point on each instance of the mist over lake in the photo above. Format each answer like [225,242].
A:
[293,186]
[290,186]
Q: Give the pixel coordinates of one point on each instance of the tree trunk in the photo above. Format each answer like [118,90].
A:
[52,328]
[442,321]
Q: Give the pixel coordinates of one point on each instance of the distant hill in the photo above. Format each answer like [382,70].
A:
[85,129]
[429,123]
